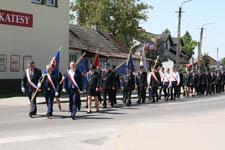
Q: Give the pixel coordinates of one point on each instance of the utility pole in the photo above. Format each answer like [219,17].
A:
[178,48]
[217,54]
[200,43]
[178,40]
[200,47]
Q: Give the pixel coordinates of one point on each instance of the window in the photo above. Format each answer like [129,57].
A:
[37,1]
[51,2]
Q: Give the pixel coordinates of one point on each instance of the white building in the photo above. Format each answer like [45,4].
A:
[31,29]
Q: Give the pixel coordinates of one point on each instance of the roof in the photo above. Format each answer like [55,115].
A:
[93,40]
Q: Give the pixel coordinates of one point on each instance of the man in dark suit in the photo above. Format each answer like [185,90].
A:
[141,84]
[128,86]
[116,81]
[107,85]
[50,86]
[30,81]
[73,85]
[153,84]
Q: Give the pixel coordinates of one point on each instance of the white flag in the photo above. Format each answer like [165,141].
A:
[143,60]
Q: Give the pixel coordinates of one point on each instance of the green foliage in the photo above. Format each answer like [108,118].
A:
[189,45]
[166,31]
[119,17]
[204,63]
[222,62]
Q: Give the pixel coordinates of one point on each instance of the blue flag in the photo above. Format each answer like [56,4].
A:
[82,68]
[55,62]
[121,70]
[130,62]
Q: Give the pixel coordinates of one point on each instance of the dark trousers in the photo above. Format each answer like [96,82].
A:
[33,106]
[141,94]
[174,90]
[73,101]
[127,96]
[107,92]
[155,94]
[49,98]
[114,96]
[166,90]
[160,91]
[218,88]
[208,89]
[199,90]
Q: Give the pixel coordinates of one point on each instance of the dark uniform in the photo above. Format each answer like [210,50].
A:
[141,82]
[218,82]
[34,77]
[107,84]
[116,81]
[50,86]
[128,86]
[213,82]
[92,84]
[204,83]
[208,84]
[199,84]
[193,83]
[154,83]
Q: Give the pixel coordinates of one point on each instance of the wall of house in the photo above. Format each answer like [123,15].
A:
[168,64]
[18,44]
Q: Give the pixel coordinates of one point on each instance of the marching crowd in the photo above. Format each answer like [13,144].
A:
[158,82]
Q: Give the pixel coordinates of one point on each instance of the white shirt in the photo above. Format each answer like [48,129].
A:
[175,77]
[163,76]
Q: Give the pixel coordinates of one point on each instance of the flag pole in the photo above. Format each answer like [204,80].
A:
[156,62]
[120,64]
[76,63]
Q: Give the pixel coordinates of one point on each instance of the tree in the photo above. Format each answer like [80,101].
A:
[204,62]
[222,62]
[189,45]
[119,17]
[166,31]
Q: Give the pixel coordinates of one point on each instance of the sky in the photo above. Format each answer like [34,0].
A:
[196,13]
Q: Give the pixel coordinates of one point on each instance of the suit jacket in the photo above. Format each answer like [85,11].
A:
[46,85]
[35,77]
[68,84]
[116,80]
[107,80]
[153,82]
[92,81]
[141,79]
[128,82]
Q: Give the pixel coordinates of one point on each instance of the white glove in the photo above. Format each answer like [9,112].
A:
[81,92]
[39,85]
[64,90]
[23,90]
[56,94]
[39,90]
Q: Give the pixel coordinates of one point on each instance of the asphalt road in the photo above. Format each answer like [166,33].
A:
[96,130]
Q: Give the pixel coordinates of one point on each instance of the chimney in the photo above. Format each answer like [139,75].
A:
[94,26]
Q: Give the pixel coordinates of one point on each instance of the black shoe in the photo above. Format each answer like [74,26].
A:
[143,102]
[30,115]
[89,112]
[112,105]
[73,117]
[48,115]
[138,102]
[104,106]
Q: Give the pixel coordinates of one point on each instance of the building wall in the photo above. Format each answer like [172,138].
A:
[50,31]
[168,64]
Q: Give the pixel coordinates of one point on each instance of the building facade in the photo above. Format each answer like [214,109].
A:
[31,30]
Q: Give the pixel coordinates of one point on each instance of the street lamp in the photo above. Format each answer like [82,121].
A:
[178,35]
[200,43]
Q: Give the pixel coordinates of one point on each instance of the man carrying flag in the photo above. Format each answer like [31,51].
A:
[50,88]
[73,84]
